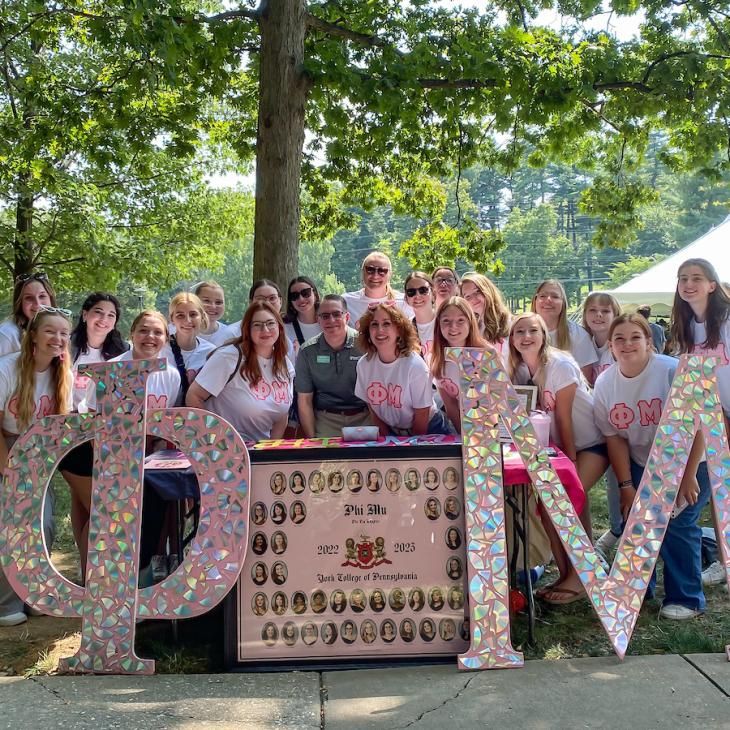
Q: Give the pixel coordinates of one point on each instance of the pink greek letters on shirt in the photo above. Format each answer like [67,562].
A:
[426,348]
[650,412]
[621,416]
[378,394]
[281,392]
[718,352]
[548,400]
[261,390]
[156,401]
[46,406]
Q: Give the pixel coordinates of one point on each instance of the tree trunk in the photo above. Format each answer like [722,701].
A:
[280,140]
[23,243]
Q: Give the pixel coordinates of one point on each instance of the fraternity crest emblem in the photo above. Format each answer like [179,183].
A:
[365,553]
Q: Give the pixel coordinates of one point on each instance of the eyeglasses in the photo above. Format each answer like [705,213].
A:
[272,299]
[271,324]
[418,290]
[306,293]
[35,276]
[326,316]
[445,280]
[381,270]
[54,310]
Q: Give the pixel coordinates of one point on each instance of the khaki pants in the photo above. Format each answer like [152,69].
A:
[331,424]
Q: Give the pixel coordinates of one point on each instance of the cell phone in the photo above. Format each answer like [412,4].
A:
[679,508]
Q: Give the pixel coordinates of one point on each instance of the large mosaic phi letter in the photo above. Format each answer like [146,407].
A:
[110,602]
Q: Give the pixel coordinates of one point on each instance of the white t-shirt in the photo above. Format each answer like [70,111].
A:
[632,407]
[163,387]
[10,336]
[193,359]
[581,344]
[425,337]
[722,352]
[308,331]
[393,390]
[357,304]
[222,334]
[449,382]
[44,395]
[560,372]
[605,359]
[251,410]
[82,383]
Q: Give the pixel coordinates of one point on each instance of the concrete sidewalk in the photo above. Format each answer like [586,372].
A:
[690,691]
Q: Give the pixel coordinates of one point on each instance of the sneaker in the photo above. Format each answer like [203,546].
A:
[677,612]
[605,544]
[158,563]
[714,574]
[13,619]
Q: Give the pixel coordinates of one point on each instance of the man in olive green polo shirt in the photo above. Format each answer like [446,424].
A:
[326,374]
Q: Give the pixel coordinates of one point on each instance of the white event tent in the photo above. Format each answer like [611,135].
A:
[656,285]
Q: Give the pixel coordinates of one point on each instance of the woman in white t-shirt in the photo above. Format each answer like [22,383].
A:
[376,272]
[213,297]
[96,338]
[701,319]
[35,382]
[629,399]
[393,378]
[551,303]
[565,396]
[302,303]
[31,292]
[249,382]
[186,350]
[419,293]
[456,326]
[599,310]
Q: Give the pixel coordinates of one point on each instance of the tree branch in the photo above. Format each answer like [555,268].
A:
[340,31]
[61,261]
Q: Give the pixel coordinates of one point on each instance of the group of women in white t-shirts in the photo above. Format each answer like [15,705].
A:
[601,383]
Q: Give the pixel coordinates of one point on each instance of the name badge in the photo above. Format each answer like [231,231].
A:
[324,359]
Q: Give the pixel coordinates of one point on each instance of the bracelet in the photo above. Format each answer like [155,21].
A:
[626,484]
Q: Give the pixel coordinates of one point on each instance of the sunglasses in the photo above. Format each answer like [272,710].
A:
[418,290]
[36,276]
[381,270]
[306,293]
[54,310]
[445,280]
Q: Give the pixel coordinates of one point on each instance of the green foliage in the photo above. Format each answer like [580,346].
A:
[626,270]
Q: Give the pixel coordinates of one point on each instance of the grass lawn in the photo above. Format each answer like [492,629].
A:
[561,632]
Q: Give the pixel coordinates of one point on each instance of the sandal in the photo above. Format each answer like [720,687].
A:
[542,590]
[563,596]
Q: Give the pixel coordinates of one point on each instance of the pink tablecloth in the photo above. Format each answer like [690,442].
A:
[515,472]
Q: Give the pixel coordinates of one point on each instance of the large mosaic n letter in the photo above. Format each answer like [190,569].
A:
[486,392]
[110,602]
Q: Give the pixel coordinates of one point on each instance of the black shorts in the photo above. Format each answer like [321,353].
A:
[79,461]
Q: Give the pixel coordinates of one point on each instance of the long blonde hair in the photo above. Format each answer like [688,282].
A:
[62,376]
[496,318]
[515,358]
[473,337]
[563,333]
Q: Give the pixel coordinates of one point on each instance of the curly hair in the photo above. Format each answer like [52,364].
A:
[407,336]
[114,344]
